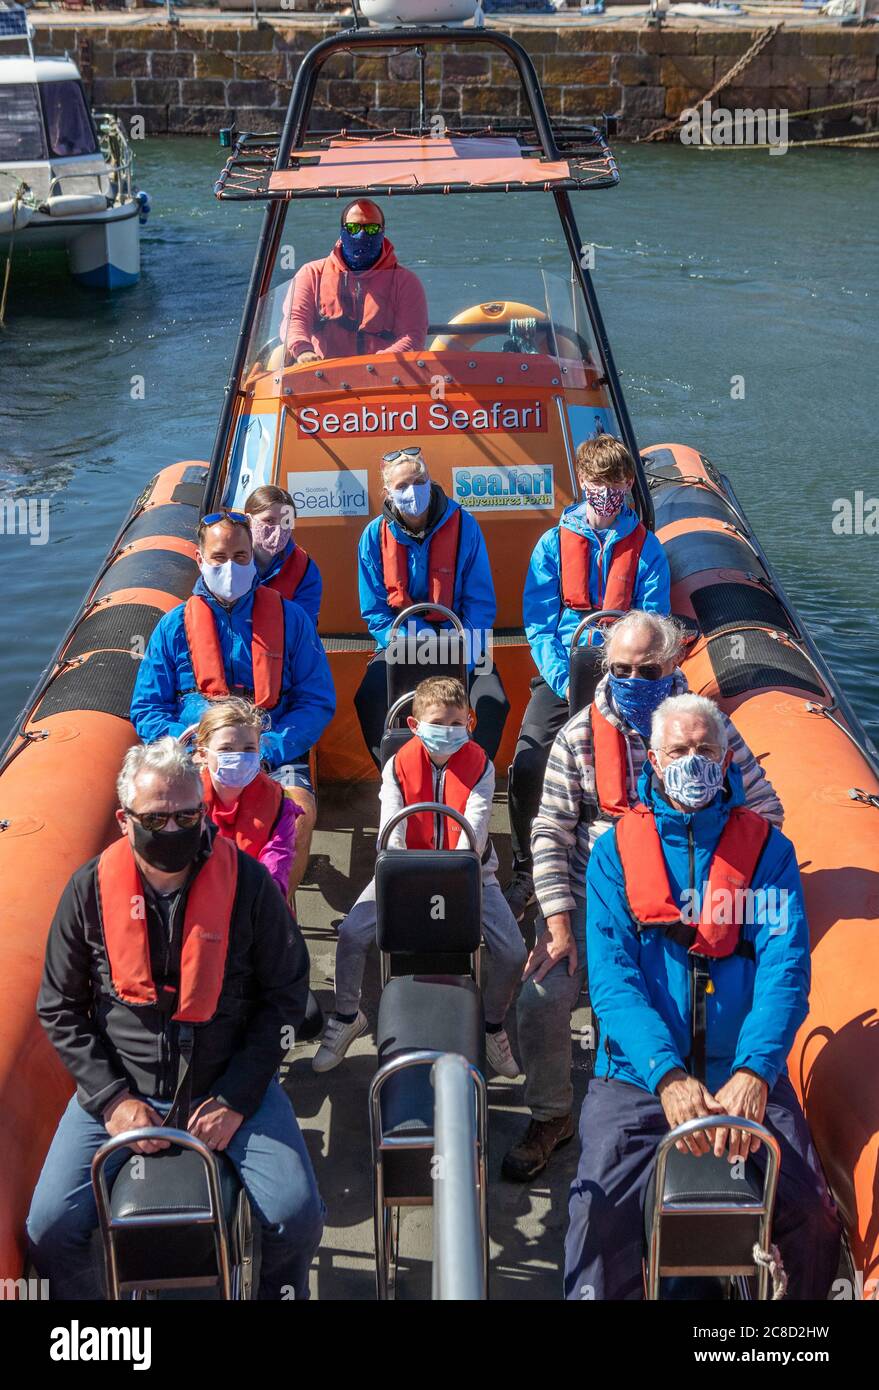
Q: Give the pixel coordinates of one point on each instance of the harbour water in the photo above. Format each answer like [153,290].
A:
[740,294]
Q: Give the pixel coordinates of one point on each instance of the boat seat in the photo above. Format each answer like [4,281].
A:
[696,1238]
[173,1183]
[428,911]
[392,741]
[420,1014]
[585,673]
[404,675]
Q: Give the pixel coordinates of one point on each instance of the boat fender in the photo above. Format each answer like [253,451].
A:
[14,216]
[145,205]
[75,204]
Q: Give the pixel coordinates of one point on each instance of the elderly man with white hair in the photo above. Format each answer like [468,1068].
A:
[591,778]
[699,973]
[424,547]
[174,973]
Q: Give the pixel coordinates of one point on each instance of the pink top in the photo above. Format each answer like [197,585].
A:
[277,854]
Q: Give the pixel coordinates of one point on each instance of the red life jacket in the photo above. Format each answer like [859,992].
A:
[647,887]
[121,897]
[442,566]
[291,573]
[609,762]
[266,648]
[252,820]
[414,773]
[576,551]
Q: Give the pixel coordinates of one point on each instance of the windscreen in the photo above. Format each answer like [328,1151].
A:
[21,126]
[68,122]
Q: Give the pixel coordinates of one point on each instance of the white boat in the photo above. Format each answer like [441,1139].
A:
[66,172]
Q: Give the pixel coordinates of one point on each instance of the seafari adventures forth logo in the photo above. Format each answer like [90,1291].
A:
[499,489]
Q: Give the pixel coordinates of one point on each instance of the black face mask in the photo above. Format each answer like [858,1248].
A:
[167,850]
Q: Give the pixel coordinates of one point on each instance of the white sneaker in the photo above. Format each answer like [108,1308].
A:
[499,1056]
[337,1038]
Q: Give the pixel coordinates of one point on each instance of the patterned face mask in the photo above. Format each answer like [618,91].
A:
[693,781]
[606,501]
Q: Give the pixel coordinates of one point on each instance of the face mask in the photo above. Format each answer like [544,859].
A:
[411,500]
[235,769]
[636,699]
[443,738]
[271,539]
[168,850]
[362,250]
[229,581]
[605,501]
[693,781]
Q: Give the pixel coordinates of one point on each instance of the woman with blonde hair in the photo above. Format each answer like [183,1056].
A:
[242,800]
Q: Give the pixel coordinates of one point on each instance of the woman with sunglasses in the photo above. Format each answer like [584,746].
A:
[591,777]
[424,546]
[358,300]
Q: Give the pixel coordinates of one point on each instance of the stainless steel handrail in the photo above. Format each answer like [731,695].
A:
[459,1250]
[592,619]
[438,808]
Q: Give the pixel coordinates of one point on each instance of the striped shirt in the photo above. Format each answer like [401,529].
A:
[569,821]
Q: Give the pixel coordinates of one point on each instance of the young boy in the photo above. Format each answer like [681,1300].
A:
[599,556]
[441,756]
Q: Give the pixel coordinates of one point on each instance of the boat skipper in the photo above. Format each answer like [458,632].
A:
[235,636]
[670,1057]
[151,1032]
[599,556]
[591,777]
[425,547]
[357,300]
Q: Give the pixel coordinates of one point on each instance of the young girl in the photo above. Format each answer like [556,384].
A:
[280,562]
[244,803]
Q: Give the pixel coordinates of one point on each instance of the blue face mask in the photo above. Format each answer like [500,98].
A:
[411,500]
[693,781]
[636,699]
[363,250]
[442,738]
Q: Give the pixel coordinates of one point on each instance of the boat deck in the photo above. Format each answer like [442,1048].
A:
[526,1223]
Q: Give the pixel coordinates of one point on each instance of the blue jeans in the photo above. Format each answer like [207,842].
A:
[269,1155]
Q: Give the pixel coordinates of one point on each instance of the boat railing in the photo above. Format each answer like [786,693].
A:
[459,1255]
[118,154]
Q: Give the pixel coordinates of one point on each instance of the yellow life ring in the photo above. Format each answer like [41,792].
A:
[499,311]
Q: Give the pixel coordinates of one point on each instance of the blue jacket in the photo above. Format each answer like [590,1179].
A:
[474,601]
[549,624]
[639,985]
[308,699]
[310,590]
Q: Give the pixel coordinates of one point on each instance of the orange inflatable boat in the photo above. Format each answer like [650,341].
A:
[498,400]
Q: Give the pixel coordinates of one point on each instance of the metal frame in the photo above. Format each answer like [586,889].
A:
[460,1248]
[435,807]
[412,611]
[385,1251]
[593,619]
[293,137]
[762,1209]
[230,1283]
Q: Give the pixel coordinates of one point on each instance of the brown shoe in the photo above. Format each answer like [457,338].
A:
[531,1155]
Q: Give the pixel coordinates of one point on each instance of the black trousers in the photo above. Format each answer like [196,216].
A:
[544,716]
[487,696]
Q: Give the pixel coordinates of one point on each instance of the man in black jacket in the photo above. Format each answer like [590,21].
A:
[175,979]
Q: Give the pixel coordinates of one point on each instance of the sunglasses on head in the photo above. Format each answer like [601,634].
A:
[395,454]
[240,518]
[648,670]
[157,820]
[369,227]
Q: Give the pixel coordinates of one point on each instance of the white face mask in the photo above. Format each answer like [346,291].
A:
[411,500]
[229,581]
[234,769]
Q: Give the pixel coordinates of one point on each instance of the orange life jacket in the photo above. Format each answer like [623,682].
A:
[291,573]
[442,566]
[576,551]
[609,762]
[257,812]
[206,923]
[647,887]
[414,773]
[266,647]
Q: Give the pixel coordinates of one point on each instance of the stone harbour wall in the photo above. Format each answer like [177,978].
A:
[193,77]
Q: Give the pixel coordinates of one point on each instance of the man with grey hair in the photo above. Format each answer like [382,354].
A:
[424,547]
[699,968]
[174,974]
[591,778]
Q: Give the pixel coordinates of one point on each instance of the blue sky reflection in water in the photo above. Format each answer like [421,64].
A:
[709,265]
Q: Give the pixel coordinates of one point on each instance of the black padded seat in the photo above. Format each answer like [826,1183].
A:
[404,676]
[170,1183]
[428,904]
[585,673]
[695,1239]
[392,741]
